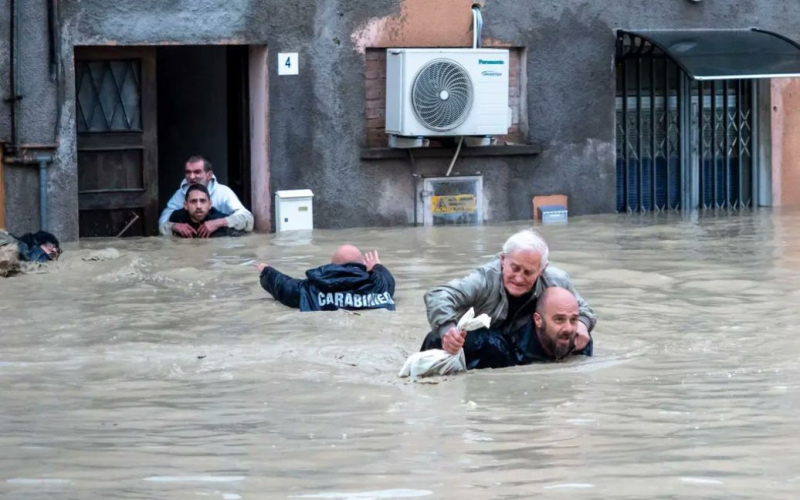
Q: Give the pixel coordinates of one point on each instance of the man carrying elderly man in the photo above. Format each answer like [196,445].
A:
[507,289]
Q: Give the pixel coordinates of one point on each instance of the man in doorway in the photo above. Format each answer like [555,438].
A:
[506,289]
[197,211]
[351,281]
[550,334]
[198,170]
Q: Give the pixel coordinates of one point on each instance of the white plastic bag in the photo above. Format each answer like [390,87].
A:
[469,322]
[439,361]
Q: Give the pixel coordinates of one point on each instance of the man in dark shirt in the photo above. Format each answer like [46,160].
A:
[549,335]
[350,281]
[196,210]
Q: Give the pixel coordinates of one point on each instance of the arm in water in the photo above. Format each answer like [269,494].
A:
[587,350]
[180,228]
[283,288]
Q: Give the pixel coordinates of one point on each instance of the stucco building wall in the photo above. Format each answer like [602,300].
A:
[317,124]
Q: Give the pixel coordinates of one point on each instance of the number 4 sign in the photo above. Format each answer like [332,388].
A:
[288,63]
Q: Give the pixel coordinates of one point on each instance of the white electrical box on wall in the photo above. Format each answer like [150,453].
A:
[294,210]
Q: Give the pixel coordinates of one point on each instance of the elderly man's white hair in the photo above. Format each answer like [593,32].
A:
[527,239]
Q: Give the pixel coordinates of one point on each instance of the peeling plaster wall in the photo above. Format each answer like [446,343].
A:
[786,142]
[317,123]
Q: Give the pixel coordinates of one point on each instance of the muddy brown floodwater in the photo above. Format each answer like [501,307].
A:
[168,373]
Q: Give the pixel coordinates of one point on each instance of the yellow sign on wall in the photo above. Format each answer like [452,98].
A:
[454,204]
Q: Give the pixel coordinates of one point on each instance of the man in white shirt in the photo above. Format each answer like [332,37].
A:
[198,171]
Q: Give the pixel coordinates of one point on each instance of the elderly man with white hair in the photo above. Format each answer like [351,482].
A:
[506,289]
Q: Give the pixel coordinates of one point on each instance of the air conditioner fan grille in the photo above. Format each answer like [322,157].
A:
[442,95]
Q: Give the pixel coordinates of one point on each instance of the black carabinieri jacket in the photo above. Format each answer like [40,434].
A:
[332,286]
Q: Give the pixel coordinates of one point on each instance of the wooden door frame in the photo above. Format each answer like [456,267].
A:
[149,140]
[260,199]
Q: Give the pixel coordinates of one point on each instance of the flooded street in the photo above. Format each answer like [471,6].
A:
[167,372]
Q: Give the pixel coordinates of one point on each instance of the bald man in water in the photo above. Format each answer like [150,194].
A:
[351,281]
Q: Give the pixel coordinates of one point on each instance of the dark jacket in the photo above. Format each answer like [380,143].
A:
[495,348]
[332,286]
[182,217]
[29,245]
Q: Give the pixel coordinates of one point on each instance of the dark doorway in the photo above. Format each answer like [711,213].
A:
[239,123]
[117,140]
[203,108]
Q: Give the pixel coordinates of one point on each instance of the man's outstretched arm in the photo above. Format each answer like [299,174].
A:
[283,288]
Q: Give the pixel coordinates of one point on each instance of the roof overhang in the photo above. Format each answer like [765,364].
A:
[726,54]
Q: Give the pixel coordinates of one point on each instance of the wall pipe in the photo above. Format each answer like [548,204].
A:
[42,160]
[54,37]
[477,26]
[54,15]
[14,98]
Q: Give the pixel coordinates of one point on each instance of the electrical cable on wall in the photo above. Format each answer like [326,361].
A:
[474,29]
[477,26]
[455,156]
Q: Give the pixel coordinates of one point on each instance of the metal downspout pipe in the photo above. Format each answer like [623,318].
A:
[44,160]
[14,98]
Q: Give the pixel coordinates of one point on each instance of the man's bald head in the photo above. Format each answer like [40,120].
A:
[346,254]
[555,297]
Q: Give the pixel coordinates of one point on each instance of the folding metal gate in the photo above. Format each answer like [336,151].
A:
[681,143]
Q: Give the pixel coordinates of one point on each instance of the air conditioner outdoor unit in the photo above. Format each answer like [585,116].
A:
[447,92]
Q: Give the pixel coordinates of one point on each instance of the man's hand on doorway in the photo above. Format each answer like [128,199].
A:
[208,227]
[582,339]
[183,230]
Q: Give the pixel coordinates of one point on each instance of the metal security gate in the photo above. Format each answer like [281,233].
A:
[681,143]
[649,156]
[726,139]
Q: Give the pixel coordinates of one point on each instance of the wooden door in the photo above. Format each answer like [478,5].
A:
[117,141]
